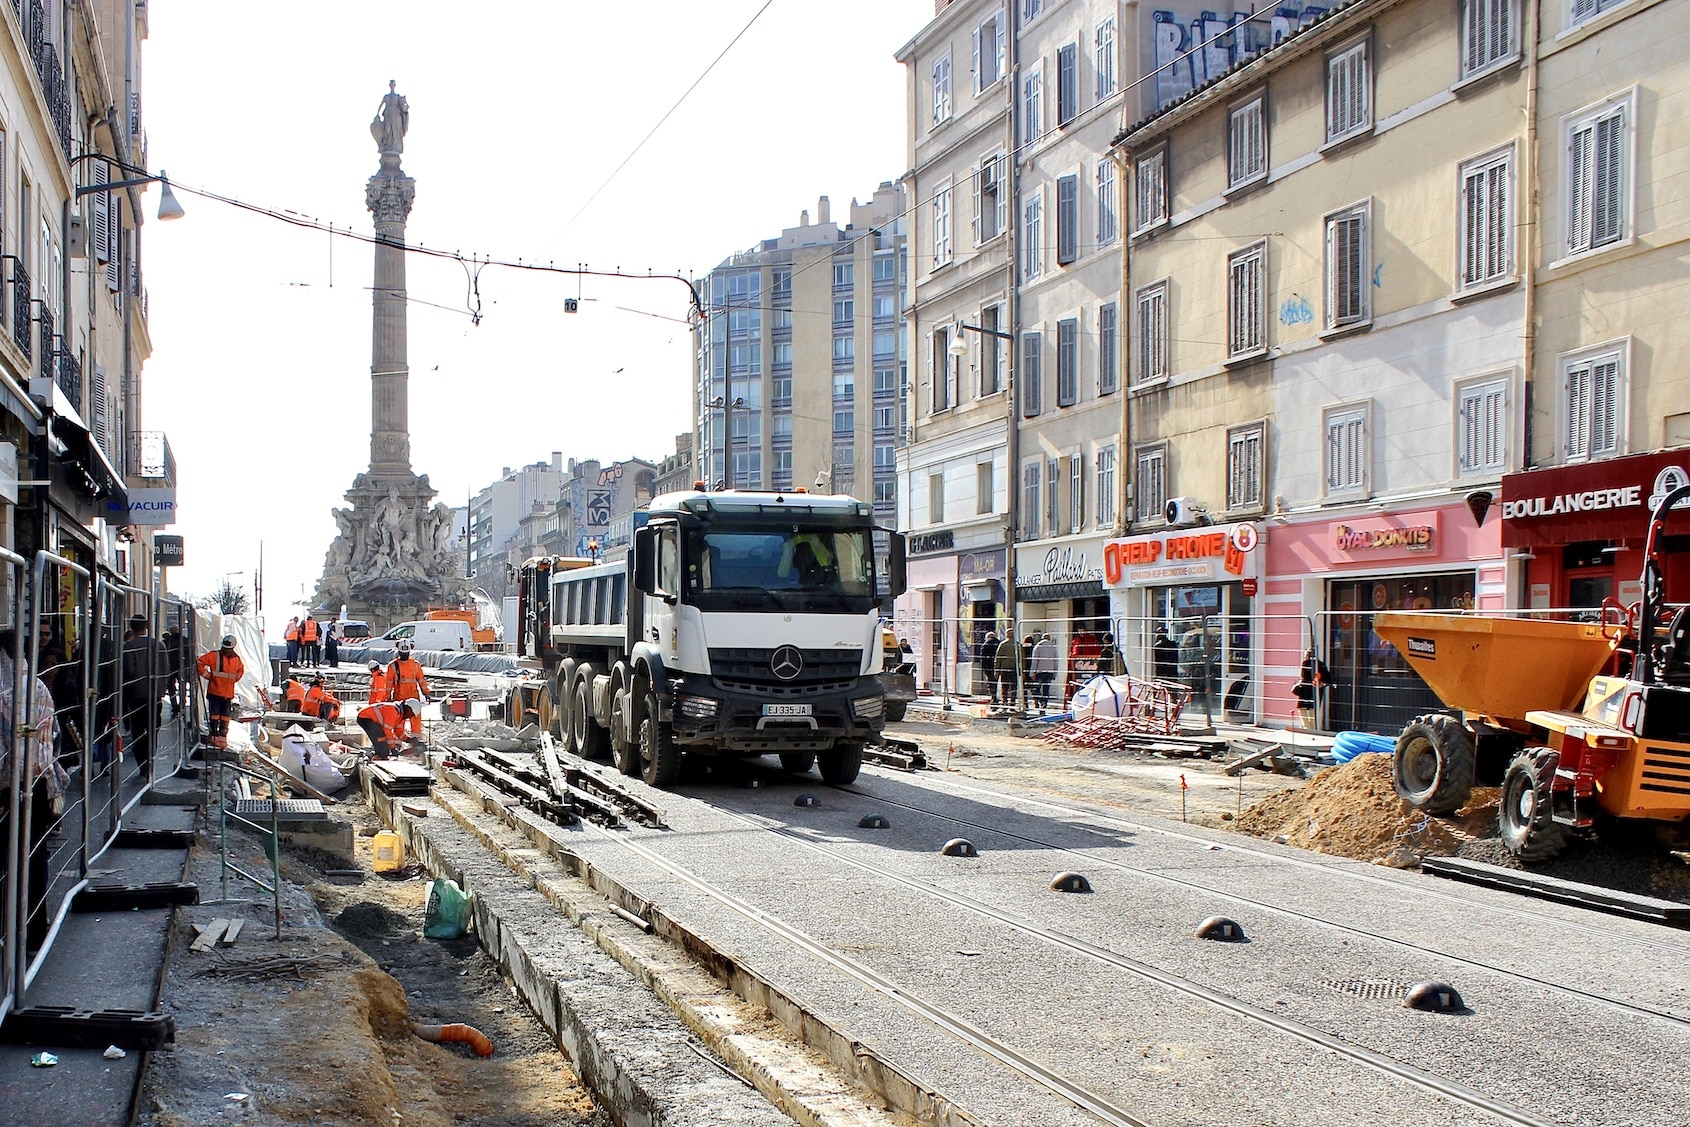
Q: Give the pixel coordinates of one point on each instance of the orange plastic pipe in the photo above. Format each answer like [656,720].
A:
[457,1031]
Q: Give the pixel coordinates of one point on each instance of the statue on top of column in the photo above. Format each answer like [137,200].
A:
[392,119]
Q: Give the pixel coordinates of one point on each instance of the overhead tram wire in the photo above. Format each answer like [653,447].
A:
[653,131]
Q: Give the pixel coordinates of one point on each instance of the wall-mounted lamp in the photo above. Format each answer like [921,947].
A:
[168,206]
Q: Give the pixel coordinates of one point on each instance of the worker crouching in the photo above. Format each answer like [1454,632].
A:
[385,724]
[321,703]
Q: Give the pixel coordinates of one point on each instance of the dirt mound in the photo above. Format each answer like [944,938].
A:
[367,919]
[1353,811]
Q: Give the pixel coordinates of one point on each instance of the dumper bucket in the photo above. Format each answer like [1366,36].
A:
[1497,666]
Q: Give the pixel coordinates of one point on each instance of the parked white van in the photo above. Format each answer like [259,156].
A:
[434,635]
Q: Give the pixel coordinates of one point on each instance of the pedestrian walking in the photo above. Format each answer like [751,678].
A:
[1108,660]
[331,646]
[1164,656]
[144,665]
[985,663]
[291,637]
[1027,689]
[1046,664]
[172,640]
[1003,672]
[45,782]
[222,670]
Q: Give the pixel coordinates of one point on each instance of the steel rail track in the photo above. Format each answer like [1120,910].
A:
[1353,870]
[1241,898]
[971,1035]
[1431,1082]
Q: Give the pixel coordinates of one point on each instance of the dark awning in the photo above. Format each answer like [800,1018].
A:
[1056,592]
[88,470]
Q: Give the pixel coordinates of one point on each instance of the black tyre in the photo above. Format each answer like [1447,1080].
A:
[566,717]
[660,759]
[591,741]
[1434,764]
[1525,814]
[895,710]
[840,763]
[546,710]
[624,753]
[798,762]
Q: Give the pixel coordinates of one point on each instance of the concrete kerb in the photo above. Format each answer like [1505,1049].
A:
[695,990]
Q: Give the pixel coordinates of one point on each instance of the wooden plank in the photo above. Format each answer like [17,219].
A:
[213,932]
[293,783]
[235,926]
[1237,766]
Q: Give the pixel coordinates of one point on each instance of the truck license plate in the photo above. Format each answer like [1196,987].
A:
[786,710]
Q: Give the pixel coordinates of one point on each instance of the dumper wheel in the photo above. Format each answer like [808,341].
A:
[1434,764]
[798,762]
[1525,813]
[660,759]
[591,741]
[840,763]
[895,710]
[545,709]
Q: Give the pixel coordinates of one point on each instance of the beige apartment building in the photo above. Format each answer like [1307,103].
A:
[955,506]
[1351,329]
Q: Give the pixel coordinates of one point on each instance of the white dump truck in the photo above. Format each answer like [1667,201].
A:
[736,624]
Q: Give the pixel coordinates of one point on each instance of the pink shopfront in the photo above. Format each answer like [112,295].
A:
[1326,580]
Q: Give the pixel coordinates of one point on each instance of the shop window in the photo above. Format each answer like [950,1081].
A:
[1373,687]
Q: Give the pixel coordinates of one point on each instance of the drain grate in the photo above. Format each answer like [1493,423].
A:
[294,808]
[1371,989]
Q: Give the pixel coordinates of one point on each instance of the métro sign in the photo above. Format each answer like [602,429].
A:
[167,550]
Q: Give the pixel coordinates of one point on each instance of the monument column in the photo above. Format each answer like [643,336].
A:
[389,197]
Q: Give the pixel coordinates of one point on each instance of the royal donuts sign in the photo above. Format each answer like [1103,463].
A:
[1210,555]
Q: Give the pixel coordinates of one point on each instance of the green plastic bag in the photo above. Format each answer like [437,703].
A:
[449,910]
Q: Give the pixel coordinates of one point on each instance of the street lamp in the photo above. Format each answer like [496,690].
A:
[728,408]
[168,206]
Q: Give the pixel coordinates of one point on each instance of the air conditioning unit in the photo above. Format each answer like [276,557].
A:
[1184,510]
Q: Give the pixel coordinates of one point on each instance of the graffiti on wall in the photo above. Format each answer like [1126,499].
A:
[1192,50]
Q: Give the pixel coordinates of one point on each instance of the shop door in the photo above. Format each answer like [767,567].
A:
[935,640]
[1373,688]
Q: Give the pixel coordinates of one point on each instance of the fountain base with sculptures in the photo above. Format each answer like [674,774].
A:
[394,556]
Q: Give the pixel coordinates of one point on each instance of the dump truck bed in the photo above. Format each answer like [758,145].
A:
[1496,666]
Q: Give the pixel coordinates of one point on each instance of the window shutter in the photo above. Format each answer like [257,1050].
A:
[1580,146]
[1584,9]
[999,44]
[1053,495]
[99,234]
[1604,407]
[1067,219]
[102,418]
[1606,213]
[979,194]
[1578,411]
[979,83]
[1067,362]
[1067,83]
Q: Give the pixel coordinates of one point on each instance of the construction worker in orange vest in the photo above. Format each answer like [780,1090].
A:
[222,671]
[321,703]
[408,681]
[381,688]
[310,643]
[293,696]
[385,725]
[291,637]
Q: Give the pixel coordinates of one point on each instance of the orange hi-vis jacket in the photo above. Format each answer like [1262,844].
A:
[291,634]
[309,632]
[222,673]
[407,678]
[293,690]
[320,702]
[391,719]
[381,686]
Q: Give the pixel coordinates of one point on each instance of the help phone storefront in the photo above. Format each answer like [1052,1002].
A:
[1183,603]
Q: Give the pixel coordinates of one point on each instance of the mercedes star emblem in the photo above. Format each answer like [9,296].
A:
[787,663]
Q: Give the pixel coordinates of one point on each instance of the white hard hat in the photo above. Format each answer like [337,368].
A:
[414,705]
[404,645]
[374,665]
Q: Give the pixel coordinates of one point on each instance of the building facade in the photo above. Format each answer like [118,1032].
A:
[799,358]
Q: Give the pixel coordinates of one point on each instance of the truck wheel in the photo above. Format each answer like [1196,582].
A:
[840,763]
[566,717]
[545,709]
[591,741]
[895,710]
[798,762]
[1525,814]
[1434,764]
[660,759]
[626,754]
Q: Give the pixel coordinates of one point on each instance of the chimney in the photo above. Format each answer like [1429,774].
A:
[557,460]
[804,218]
[822,210]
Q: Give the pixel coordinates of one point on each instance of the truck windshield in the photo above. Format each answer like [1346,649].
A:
[735,567]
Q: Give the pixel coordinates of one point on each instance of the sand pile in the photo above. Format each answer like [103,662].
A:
[1352,811]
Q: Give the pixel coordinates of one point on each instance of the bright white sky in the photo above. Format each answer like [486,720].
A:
[519,111]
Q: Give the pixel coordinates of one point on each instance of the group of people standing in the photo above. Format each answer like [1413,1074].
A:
[1028,672]
[310,643]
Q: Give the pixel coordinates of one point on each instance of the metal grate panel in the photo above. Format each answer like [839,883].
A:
[288,808]
[1370,989]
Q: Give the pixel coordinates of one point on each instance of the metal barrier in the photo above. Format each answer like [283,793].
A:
[14,750]
[273,851]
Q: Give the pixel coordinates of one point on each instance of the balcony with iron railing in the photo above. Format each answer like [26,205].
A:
[69,377]
[150,459]
[44,53]
[22,323]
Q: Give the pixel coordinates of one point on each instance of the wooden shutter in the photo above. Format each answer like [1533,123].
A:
[1067,83]
[1579,160]
[1067,219]
[1067,362]
[1607,218]
[1604,406]
[99,217]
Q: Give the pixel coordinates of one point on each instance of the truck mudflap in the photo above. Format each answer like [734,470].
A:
[709,717]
